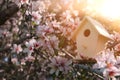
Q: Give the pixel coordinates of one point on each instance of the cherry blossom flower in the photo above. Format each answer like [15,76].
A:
[108,62]
[24,1]
[55,24]
[117,47]
[4,33]
[111,71]
[17,48]
[116,36]
[105,57]
[44,29]
[75,12]
[30,58]
[67,15]
[35,5]
[30,46]
[49,43]
[23,62]
[54,42]
[36,45]
[36,17]
[14,61]
[59,64]
[40,5]
[15,30]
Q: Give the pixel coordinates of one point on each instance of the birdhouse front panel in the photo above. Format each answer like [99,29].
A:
[101,43]
[86,39]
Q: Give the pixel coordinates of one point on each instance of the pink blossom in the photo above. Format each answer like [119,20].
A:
[24,1]
[54,42]
[108,61]
[111,71]
[44,29]
[14,60]
[4,33]
[36,17]
[30,46]
[17,48]
[39,6]
[15,30]
[30,58]
[23,62]
[59,64]
[29,49]
[67,15]
[49,43]
[36,45]
[116,36]
[118,59]
[117,47]
[105,57]
[55,24]
[76,13]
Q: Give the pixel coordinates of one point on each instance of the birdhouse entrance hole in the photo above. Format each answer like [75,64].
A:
[86,32]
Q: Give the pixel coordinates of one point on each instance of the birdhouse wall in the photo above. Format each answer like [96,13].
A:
[86,39]
[101,43]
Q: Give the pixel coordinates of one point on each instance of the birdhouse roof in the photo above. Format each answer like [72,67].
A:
[98,26]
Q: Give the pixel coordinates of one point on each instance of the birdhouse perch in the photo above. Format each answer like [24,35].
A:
[90,37]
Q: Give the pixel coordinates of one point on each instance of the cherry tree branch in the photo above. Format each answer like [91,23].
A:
[16,42]
[8,11]
[96,72]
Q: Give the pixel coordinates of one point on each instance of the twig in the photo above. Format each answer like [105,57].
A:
[89,69]
[15,42]
[68,54]
[80,61]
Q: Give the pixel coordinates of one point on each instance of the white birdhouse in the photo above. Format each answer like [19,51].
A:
[90,37]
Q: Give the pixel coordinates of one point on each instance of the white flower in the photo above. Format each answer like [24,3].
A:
[42,30]
[54,41]
[111,71]
[23,62]
[116,36]
[24,1]
[55,24]
[118,59]
[30,58]
[4,33]
[39,6]
[17,48]
[36,17]
[59,64]
[76,13]
[35,5]
[117,47]
[15,30]
[14,60]
[104,58]
[30,46]
[66,15]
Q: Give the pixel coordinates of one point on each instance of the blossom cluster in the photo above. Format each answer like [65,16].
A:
[35,43]
[31,41]
[109,59]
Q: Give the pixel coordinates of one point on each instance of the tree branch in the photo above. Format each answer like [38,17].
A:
[15,42]
[9,11]
[96,72]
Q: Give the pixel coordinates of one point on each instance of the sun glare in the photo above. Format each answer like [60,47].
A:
[110,8]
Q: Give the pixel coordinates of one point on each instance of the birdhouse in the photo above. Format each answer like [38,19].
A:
[90,37]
